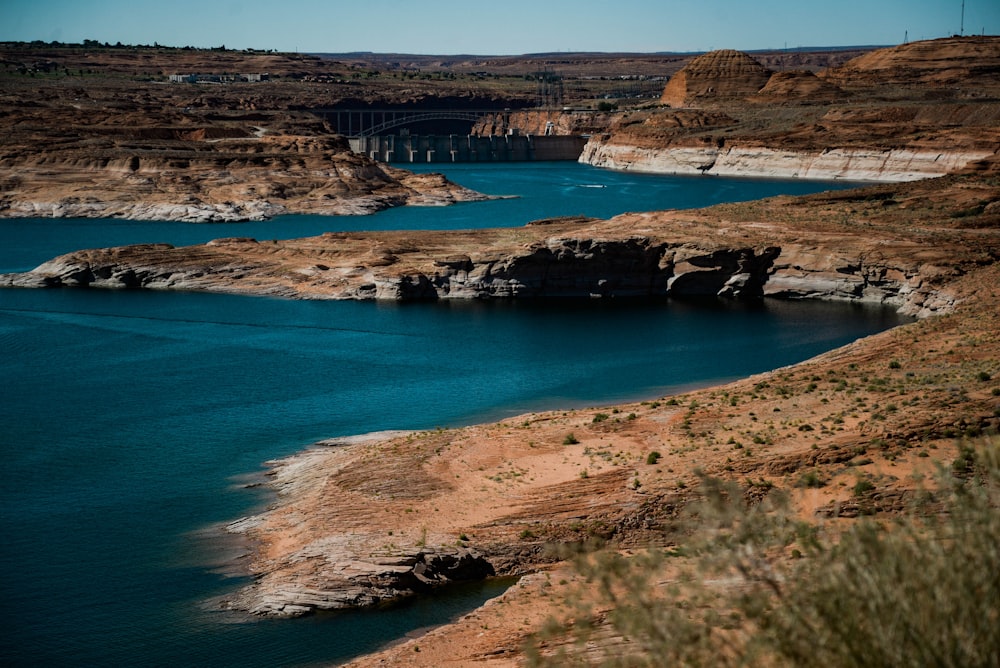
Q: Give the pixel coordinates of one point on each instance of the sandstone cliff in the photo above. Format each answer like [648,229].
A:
[897,245]
[713,76]
[846,164]
[541,122]
[915,111]
[191,167]
[965,63]
[798,85]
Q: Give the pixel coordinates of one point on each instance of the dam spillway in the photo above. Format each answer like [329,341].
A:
[412,148]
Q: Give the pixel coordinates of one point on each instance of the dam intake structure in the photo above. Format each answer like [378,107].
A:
[445,135]
[511,147]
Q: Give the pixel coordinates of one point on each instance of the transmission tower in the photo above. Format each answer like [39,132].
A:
[549,89]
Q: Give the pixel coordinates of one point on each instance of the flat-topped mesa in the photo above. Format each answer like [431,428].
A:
[725,73]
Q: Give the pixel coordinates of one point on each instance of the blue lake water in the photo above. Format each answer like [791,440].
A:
[130,419]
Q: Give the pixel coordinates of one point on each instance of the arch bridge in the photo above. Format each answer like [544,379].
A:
[371,122]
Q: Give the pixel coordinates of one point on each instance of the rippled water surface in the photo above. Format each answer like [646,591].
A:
[130,420]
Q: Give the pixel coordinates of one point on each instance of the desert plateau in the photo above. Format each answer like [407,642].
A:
[852,436]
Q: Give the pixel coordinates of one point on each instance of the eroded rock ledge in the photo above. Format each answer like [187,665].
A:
[363,581]
[194,175]
[898,245]
[848,164]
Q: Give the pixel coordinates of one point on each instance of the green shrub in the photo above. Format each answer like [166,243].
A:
[862,487]
[810,479]
[570,439]
[653,457]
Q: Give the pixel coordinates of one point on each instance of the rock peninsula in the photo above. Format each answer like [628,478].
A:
[898,244]
[190,168]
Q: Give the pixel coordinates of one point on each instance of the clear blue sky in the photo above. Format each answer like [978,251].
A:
[510,27]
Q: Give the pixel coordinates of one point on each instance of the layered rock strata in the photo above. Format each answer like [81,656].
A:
[361,567]
[898,245]
[718,74]
[81,147]
[212,180]
[950,61]
[846,164]
[910,112]
[798,85]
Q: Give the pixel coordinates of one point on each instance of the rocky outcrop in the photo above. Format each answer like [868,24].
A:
[713,76]
[556,267]
[81,153]
[804,273]
[194,180]
[551,267]
[573,267]
[797,86]
[915,111]
[962,62]
[357,582]
[831,164]
[378,551]
[899,245]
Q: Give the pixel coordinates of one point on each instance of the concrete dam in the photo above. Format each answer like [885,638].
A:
[412,135]
[512,147]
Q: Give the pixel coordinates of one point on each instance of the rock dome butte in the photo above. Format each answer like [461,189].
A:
[716,74]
